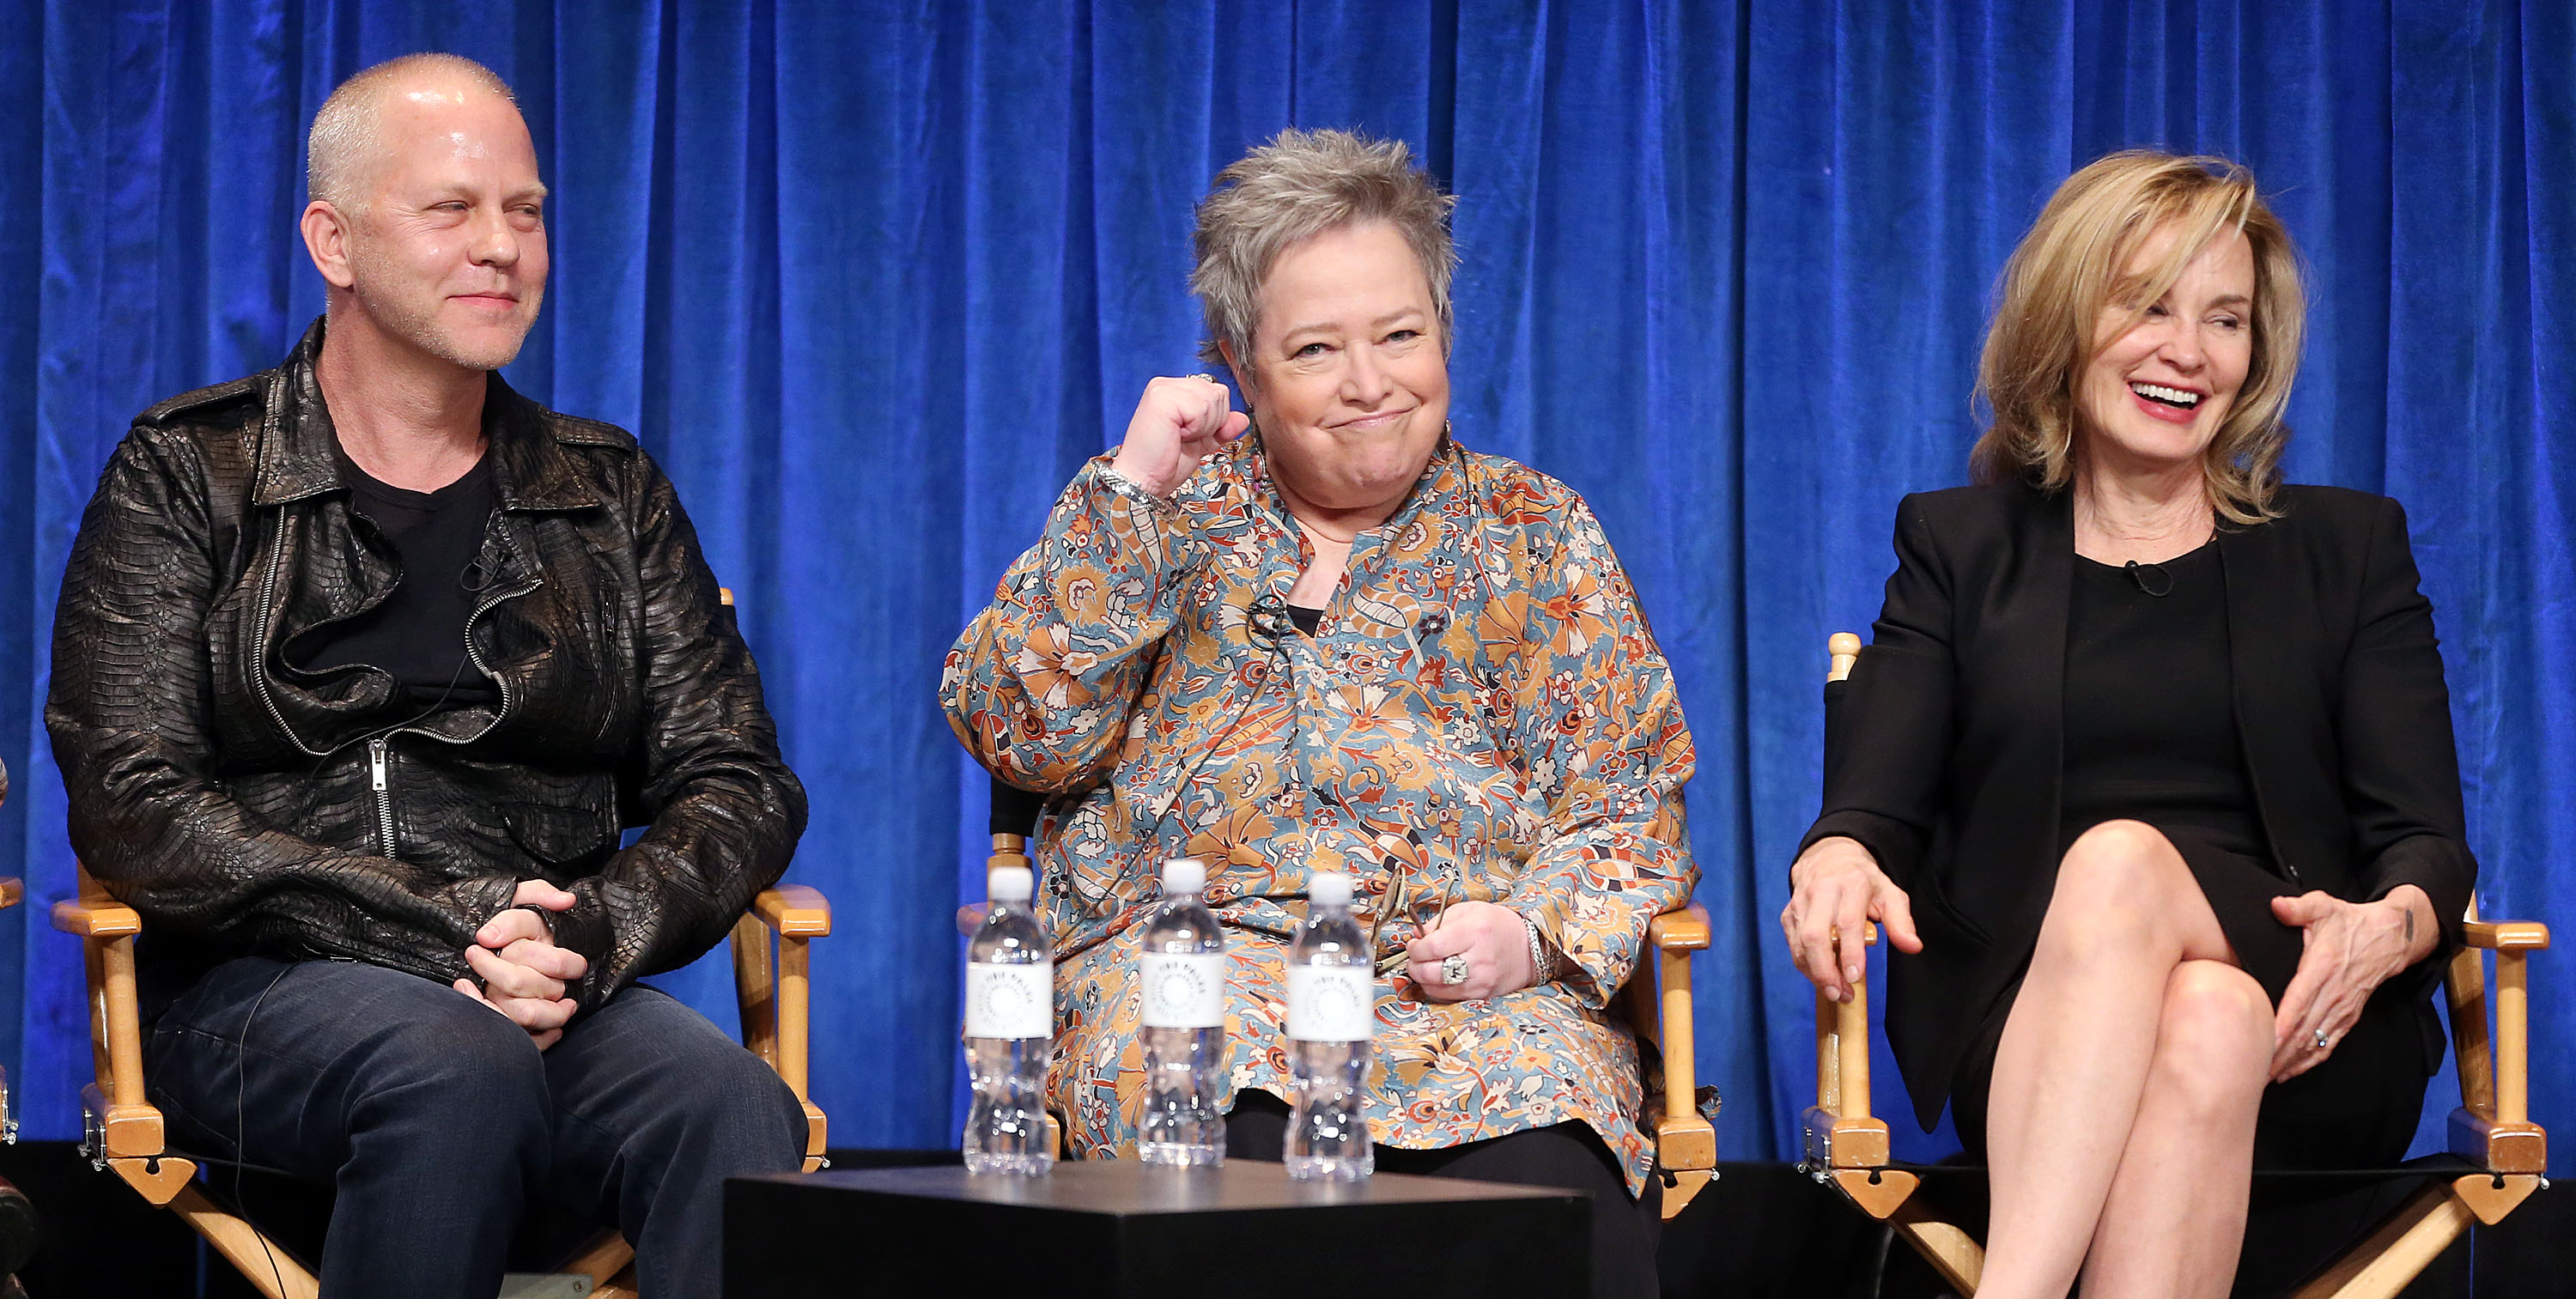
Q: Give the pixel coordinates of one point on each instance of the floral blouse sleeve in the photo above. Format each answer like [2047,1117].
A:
[1039,686]
[1601,733]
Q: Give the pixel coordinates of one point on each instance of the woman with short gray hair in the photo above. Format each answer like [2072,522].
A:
[1323,636]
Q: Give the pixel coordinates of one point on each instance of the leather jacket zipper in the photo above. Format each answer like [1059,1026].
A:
[268,616]
[380,748]
[474,655]
[378,759]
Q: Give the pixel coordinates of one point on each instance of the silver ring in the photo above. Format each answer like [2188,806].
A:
[1453,969]
[2323,1041]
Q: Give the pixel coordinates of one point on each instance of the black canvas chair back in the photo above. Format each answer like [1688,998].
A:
[1015,810]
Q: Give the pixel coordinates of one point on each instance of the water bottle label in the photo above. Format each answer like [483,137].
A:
[1183,990]
[1013,1001]
[1331,1003]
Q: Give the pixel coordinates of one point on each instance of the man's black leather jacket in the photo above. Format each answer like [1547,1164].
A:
[243,805]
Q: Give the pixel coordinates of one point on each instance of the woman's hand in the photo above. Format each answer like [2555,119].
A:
[1834,891]
[2352,948]
[1491,937]
[1177,424]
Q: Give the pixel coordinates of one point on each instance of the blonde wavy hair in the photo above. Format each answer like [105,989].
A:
[2048,318]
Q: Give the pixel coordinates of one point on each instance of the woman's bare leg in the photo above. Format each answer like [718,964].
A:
[2175,1219]
[2078,1047]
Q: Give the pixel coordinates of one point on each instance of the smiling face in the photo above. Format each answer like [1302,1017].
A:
[446,254]
[2157,391]
[1349,377]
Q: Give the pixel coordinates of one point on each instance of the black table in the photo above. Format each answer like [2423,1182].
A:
[1122,1229]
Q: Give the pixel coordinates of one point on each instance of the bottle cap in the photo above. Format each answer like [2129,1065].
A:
[1009,884]
[1184,875]
[1329,889]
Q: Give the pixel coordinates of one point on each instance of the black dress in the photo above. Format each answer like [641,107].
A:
[2151,735]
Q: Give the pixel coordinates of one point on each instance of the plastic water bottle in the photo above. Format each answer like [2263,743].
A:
[1181,978]
[1332,1009]
[1010,1029]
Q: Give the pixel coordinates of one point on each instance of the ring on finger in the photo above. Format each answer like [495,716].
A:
[1453,969]
[2324,1039]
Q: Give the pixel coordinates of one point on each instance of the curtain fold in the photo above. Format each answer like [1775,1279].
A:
[871,279]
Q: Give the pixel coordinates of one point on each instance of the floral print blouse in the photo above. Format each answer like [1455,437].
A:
[1480,714]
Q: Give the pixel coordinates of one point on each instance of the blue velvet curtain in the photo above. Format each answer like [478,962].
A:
[871,279]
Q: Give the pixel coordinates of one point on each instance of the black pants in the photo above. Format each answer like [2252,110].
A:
[1563,1155]
[437,1121]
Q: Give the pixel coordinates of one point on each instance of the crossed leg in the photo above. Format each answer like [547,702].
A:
[2120,1125]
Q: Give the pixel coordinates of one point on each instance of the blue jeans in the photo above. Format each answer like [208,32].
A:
[437,1121]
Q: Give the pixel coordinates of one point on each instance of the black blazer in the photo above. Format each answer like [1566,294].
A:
[1945,755]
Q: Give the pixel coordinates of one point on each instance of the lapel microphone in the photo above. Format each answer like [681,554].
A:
[1268,618]
[2151,578]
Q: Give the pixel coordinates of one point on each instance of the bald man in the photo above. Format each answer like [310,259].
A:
[362,665]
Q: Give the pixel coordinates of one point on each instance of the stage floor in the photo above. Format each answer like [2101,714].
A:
[1759,1230]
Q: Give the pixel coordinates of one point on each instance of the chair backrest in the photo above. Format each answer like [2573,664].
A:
[1843,654]
[9,894]
[1015,811]
[1013,821]
[2464,987]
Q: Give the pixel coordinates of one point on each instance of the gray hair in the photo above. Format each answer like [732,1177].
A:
[1299,185]
[341,146]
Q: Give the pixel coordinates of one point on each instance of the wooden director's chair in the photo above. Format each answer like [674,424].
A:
[17,1217]
[1685,1141]
[10,892]
[124,1130]
[2498,1156]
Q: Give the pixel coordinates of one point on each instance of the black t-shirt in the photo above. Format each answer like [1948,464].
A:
[418,633]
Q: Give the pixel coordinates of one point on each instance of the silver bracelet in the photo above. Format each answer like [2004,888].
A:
[1542,965]
[1128,487]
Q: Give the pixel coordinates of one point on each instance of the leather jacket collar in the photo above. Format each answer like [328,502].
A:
[530,471]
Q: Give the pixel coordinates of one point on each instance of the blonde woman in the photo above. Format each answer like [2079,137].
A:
[2149,771]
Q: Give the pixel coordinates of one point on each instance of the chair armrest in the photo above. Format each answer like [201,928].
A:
[1658,1003]
[773,991]
[2506,935]
[1841,1131]
[2493,1126]
[1681,930]
[794,910]
[129,1127]
[96,917]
